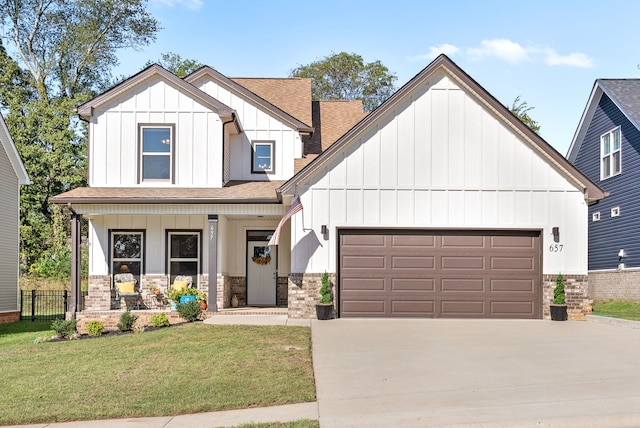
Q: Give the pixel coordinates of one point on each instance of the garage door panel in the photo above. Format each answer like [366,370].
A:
[462,262]
[413,308]
[457,285]
[513,285]
[412,284]
[513,263]
[459,308]
[413,262]
[466,274]
[368,262]
[374,284]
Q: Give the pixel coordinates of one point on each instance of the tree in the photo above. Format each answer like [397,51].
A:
[60,53]
[520,109]
[346,76]
[176,64]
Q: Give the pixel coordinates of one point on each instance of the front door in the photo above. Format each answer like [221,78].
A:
[261,270]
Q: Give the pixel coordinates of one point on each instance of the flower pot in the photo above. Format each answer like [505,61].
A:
[203,305]
[324,311]
[174,306]
[187,299]
[559,312]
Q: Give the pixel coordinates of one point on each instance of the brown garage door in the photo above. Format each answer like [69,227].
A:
[438,274]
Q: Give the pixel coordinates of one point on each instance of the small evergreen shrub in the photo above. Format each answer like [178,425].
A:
[190,311]
[95,328]
[64,328]
[127,320]
[325,289]
[159,320]
[558,292]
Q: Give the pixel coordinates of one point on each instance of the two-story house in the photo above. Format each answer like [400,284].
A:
[12,176]
[606,147]
[439,203]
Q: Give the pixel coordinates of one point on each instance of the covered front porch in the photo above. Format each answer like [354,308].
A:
[222,248]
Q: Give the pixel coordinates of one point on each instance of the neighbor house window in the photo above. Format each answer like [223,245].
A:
[595,216]
[610,154]
[184,254]
[615,212]
[127,251]
[156,152]
[262,156]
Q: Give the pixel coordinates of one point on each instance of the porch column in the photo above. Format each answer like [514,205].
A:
[76,266]
[213,263]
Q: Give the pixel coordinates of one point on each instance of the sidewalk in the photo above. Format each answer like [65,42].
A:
[229,418]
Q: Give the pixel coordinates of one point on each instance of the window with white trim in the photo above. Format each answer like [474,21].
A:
[184,254]
[615,212]
[262,157]
[610,154]
[127,251]
[595,216]
[156,152]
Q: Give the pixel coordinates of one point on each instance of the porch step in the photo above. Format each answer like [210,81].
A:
[251,310]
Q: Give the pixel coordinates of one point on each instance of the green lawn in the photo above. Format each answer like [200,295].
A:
[188,368]
[618,309]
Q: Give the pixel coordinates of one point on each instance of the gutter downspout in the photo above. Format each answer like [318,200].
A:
[75,260]
[233,119]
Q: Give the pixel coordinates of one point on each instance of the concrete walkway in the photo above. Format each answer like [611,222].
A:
[476,373]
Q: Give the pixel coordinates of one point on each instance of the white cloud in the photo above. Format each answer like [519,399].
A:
[189,4]
[434,51]
[576,59]
[503,49]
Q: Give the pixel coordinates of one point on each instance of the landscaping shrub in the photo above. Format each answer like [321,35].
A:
[127,320]
[190,311]
[159,320]
[95,328]
[64,328]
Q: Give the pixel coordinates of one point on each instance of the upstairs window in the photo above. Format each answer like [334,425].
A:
[156,152]
[610,154]
[262,158]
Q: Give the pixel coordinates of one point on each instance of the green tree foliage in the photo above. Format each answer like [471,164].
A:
[521,109]
[346,76]
[55,55]
[176,64]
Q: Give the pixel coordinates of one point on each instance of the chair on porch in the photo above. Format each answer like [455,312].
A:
[126,289]
[182,281]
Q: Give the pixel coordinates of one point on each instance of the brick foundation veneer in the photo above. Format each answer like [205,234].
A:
[621,284]
[304,293]
[110,319]
[6,317]
[577,297]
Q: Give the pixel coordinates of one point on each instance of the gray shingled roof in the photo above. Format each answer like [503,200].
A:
[626,94]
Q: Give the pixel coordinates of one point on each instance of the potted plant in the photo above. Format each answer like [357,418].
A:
[154,290]
[202,299]
[173,295]
[324,308]
[558,307]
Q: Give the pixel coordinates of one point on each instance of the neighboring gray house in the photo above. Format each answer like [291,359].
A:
[12,175]
[606,147]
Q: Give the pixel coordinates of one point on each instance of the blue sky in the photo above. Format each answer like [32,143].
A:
[548,52]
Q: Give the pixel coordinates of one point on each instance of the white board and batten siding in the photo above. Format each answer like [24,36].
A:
[440,160]
[257,125]
[114,155]
[9,226]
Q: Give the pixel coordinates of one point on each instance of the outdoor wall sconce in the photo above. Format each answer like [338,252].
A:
[621,254]
[556,234]
[323,229]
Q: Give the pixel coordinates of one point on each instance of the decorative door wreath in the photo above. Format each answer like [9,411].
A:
[261,255]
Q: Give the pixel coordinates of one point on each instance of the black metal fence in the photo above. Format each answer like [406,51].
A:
[44,305]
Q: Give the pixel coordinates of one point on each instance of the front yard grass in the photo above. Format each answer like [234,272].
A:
[188,368]
[618,309]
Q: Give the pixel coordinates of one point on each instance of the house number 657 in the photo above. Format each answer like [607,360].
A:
[556,248]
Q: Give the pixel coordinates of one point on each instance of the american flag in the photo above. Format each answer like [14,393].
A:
[296,206]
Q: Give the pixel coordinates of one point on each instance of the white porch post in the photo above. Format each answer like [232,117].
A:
[213,263]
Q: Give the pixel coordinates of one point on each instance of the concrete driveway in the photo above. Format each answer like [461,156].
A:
[489,373]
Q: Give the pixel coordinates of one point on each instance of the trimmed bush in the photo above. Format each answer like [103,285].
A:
[190,311]
[64,328]
[95,328]
[159,320]
[558,292]
[127,320]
